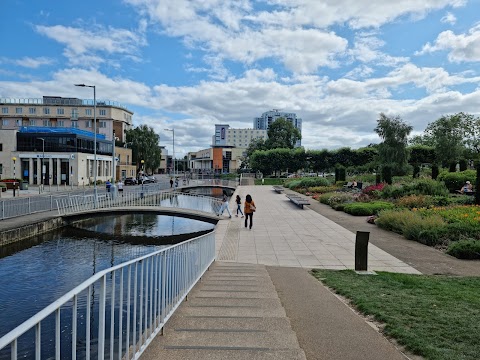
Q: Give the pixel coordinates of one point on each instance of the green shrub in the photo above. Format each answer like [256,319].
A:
[465,249]
[415,201]
[293,184]
[325,198]
[429,230]
[270,181]
[308,182]
[416,187]
[322,189]
[455,180]
[366,208]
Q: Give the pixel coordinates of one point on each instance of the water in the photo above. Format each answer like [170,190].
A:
[54,263]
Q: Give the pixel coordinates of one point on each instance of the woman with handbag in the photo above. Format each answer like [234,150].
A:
[249,209]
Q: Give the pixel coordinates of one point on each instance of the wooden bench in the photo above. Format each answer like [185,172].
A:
[278,189]
[297,200]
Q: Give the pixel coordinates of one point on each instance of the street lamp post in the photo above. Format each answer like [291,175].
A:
[143,176]
[95,197]
[113,164]
[14,175]
[173,145]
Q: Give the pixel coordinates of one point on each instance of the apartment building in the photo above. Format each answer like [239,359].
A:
[267,118]
[51,140]
[239,138]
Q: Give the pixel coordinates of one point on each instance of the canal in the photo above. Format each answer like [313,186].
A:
[37,271]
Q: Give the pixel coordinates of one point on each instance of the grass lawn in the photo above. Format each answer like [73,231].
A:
[437,317]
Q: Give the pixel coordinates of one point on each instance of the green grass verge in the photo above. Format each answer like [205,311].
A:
[437,317]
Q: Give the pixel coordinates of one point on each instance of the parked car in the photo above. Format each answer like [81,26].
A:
[130,181]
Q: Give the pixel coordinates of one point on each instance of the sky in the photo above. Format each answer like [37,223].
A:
[191,64]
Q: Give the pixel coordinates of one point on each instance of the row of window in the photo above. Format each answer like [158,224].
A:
[49,123]
[60,111]
[68,143]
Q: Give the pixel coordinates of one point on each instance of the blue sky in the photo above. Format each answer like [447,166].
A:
[191,64]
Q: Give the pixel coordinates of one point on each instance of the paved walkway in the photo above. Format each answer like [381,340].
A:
[285,235]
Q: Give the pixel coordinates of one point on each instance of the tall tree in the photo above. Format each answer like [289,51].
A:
[144,143]
[282,134]
[447,134]
[393,150]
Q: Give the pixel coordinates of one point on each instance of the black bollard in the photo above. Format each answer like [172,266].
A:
[361,250]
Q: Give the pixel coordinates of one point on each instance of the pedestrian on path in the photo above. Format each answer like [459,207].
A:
[171,182]
[108,185]
[249,209]
[224,204]
[238,200]
[120,186]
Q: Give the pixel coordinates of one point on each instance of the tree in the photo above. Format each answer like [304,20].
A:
[144,143]
[282,134]
[447,134]
[319,160]
[421,154]
[393,150]
[255,144]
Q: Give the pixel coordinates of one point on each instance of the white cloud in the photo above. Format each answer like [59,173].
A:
[294,33]
[34,63]
[449,18]
[461,48]
[366,50]
[83,46]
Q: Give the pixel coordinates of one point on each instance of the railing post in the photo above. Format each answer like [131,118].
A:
[102,298]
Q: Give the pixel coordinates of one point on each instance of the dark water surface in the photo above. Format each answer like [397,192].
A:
[36,272]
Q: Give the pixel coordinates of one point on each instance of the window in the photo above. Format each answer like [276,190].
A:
[1,149]
[46,111]
[32,122]
[61,123]
[32,111]
[102,112]
[1,168]
[60,111]
[18,122]
[88,112]
[4,110]
[47,122]
[102,124]
[88,123]
[74,124]
[18,110]
[5,122]
[74,114]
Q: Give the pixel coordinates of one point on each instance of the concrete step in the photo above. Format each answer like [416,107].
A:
[256,311]
[221,301]
[259,323]
[238,354]
[240,338]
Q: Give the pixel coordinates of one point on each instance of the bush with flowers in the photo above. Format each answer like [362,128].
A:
[434,225]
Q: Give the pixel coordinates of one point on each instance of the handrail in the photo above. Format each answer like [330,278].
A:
[174,277]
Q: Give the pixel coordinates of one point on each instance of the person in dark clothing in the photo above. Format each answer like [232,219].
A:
[238,200]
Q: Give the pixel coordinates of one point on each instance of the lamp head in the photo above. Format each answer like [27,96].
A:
[82,85]
[14,158]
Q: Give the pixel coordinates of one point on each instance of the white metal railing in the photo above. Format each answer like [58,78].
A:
[118,311]
[75,204]
[10,208]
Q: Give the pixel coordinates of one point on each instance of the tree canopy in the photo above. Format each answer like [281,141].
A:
[282,135]
[144,143]
[393,150]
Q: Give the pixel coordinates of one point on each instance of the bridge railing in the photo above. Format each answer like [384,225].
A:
[75,204]
[10,208]
[118,311]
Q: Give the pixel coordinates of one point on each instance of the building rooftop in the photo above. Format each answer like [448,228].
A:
[56,100]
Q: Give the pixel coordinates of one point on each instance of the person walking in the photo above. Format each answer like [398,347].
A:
[238,200]
[224,204]
[120,186]
[249,209]
[171,182]
[108,185]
